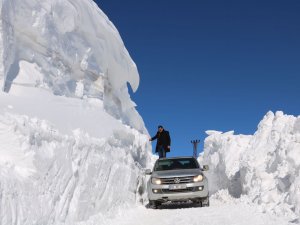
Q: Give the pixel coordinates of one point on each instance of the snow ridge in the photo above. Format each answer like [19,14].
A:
[264,166]
[63,158]
[75,47]
[51,178]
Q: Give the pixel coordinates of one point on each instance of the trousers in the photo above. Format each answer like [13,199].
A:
[161,152]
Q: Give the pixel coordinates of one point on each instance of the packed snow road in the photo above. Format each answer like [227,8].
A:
[217,214]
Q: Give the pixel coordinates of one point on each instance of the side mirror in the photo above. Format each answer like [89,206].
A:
[205,168]
[148,172]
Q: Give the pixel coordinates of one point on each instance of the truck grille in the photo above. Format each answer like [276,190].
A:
[168,191]
[177,180]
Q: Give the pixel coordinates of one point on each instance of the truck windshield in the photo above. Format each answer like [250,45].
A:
[176,164]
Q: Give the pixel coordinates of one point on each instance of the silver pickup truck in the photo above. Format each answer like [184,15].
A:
[177,179]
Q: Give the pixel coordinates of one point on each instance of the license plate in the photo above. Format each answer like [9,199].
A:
[177,186]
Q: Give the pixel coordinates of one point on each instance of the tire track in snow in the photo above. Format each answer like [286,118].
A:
[217,214]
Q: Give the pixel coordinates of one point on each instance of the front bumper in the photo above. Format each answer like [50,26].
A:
[191,192]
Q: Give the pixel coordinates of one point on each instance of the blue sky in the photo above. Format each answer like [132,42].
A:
[205,65]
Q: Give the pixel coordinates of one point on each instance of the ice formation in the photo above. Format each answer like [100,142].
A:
[264,167]
[75,48]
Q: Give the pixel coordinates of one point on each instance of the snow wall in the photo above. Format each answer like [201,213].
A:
[263,167]
[78,51]
[72,145]
[50,178]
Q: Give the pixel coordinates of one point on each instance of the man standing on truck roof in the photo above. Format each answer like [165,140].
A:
[163,143]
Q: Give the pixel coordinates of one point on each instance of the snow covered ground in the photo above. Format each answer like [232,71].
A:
[230,213]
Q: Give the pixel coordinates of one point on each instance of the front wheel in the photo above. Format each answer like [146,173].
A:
[197,203]
[205,202]
[154,204]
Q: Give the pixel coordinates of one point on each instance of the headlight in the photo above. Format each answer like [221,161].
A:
[155,180]
[198,178]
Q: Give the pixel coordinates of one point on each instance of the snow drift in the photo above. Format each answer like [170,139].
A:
[75,48]
[264,167]
[51,178]
[72,145]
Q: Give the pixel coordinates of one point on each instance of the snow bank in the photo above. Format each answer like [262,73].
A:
[73,49]
[264,166]
[72,145]
[51,178]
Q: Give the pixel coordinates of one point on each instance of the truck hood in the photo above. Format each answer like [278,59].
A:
[176,173]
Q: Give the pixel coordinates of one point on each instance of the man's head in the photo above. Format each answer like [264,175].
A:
[160,128]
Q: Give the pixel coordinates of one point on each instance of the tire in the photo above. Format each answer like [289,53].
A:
[205,202]
[200,204]
[197,203]
[154,204]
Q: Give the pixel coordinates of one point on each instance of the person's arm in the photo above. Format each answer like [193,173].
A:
[169,140]
[153,138]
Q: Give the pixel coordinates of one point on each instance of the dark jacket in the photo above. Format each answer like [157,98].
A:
[163,139]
